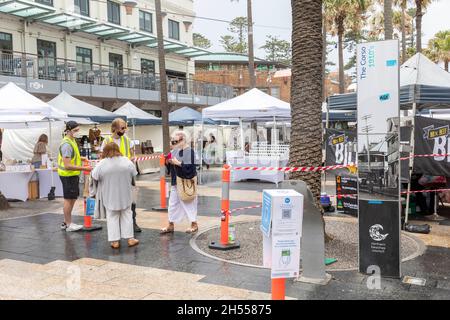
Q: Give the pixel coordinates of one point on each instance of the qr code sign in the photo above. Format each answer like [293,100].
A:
[286,213]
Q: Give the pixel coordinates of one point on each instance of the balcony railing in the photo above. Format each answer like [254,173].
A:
[49,68]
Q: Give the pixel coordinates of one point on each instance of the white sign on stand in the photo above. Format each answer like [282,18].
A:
[282,216]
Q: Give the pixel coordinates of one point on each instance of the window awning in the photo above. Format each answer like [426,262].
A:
[24,9]
[75,22]
[70,21]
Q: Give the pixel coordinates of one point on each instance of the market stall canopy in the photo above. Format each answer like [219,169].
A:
[136,115]
[421,81]
[77,108]
[17,105]
[187,116]
[253,104]
[338,115]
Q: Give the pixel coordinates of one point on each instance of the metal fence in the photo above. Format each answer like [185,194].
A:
[49,68]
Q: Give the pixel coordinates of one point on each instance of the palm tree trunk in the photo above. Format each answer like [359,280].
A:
[419,15]
[251,58]
[341,55]
[388,27]
[306,92]
[403,22]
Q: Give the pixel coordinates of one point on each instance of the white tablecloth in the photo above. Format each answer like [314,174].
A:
[265,175]
[14,185]
[45,183]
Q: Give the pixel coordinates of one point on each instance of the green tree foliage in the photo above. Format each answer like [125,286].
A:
[201,41]
[238,43]
[277,50]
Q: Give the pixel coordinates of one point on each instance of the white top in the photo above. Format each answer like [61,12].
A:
[115,175]
[252,104]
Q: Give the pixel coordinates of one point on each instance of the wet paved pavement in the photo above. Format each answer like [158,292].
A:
[38,240]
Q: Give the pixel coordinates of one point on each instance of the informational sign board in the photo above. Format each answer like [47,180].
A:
[432,136]
[283,211]
[347,185]
[340,148]
[379,239]
[378,157]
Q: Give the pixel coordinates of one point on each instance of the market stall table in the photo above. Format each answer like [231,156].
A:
[14,185]
[45,183]
[257,161]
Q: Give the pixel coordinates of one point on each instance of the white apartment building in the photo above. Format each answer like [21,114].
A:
[95,50]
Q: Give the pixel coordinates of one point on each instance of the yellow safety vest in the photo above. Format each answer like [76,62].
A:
[124,145]
[75,161]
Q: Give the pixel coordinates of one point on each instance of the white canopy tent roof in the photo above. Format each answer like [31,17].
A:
[419,70]
[136,114]
[20,109]
[77,108]
[253,104]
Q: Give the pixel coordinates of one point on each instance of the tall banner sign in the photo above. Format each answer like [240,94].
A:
[378,157]
[340,148]
[432,137]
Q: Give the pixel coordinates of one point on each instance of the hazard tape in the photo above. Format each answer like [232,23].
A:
[294,169]
[245,208]
[426,155]
[420,191]
[138,159]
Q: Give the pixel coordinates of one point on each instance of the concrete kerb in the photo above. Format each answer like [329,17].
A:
[420,245]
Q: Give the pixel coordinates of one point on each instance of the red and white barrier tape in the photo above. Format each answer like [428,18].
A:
[426,155]
[245,208]
[420,191]
[293,169]
[137,159]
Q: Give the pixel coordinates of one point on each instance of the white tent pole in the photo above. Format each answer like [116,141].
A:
[134,137]
[201,152]
[242,134]
[274,135]
[51,144]
[411,162]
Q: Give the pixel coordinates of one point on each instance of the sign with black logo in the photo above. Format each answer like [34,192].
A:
[432,137]
[379,237]
[347,194]
[340,149]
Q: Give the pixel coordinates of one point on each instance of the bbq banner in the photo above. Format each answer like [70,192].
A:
[347,185]
[432,136]
[340,148]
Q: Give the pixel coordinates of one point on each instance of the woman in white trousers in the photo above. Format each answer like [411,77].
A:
[115,173]
[180,163]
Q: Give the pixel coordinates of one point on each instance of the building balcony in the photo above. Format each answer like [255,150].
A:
[47,75]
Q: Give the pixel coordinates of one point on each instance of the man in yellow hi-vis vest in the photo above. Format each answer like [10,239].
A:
[69,169]
[118,130]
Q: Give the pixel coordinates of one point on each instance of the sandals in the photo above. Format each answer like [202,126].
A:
[115,244]
[193,228]
[167,230]
[133,242]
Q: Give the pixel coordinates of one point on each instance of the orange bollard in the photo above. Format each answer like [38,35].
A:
[225,214]
[162,184]
[278,289]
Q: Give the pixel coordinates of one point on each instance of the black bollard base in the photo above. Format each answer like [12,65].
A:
[159,209]
[218,246]
[92,228]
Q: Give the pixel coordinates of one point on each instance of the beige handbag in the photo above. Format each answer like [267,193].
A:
[187,188]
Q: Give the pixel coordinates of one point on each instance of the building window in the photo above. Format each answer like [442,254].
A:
[46,2]
[115,63]
[82,7]
[174,30]
[46,51]
[147,67]
[275,92]
[84,58]
[145,21]
[6,45]
[113,12]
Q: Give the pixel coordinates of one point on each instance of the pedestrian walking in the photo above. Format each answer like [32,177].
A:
[69,170]
[118,131]
[183,191]
[115,173]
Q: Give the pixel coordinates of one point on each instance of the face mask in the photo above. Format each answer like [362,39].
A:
[120,133]
[77,135]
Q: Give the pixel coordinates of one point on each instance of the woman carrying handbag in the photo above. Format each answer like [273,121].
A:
[183,193]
